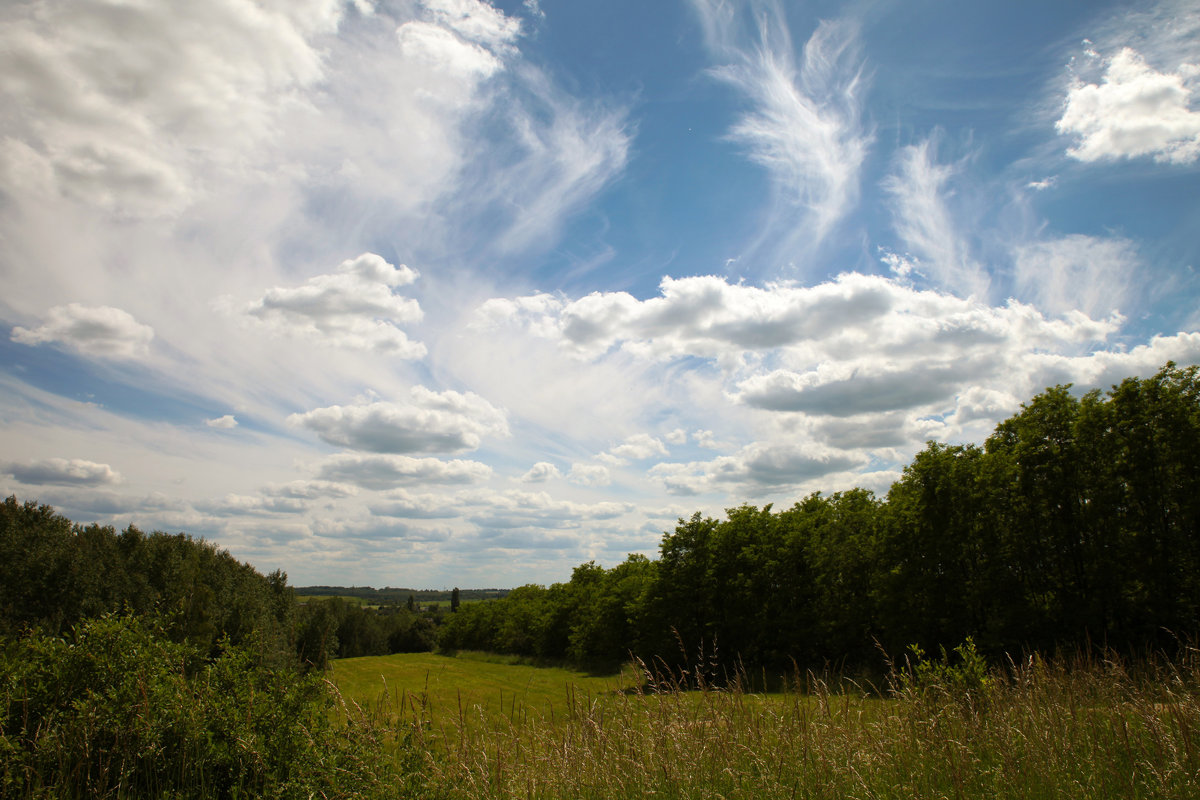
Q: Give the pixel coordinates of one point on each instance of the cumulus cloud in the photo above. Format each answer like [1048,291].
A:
[91,330]
[227,422]
[590,475]
[505,510]
[122,103]
[756,469]
[541,472]
[1134,111]
[429,422]
[310,490]
[392,471]
[805,125]
[831,391]
[355,307]
[849,317]
[239,504]
[63,472]
[638,447]
[879,431]
[405,505]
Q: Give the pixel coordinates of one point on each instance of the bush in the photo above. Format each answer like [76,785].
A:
[964,679]
[121,711]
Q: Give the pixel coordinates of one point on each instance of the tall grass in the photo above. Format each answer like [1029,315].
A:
[119,712]
[1034,729]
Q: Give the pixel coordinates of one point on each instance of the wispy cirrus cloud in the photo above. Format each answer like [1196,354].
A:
[920,188]
[805,123]
[1087,273]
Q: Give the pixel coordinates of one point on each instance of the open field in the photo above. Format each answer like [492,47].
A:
[1029,730]
[439,690]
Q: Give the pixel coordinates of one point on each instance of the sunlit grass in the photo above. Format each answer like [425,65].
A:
[440,691]
[1032,730]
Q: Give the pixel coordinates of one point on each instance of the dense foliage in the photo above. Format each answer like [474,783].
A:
[1077,523]
[334,628]
[117,709]
[54,574]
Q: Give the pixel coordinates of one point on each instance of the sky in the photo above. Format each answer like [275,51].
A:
[436,293]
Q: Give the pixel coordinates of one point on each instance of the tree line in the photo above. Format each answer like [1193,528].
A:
[55,574]
[1076,523]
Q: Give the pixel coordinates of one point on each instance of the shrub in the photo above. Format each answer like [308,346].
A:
[121,711]
[964,679]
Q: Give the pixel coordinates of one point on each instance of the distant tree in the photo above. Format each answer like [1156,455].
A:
[454,601]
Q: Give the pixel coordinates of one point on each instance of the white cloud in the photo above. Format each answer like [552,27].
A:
[756,469]
[120,103]
[638,447]
[535,510]
[310,490]
[677,436]
[402,504]
[476,21]
[541,472]
[832,390]
[902,266]
[392,471]
[355,307]
[430,422]
[590,475]
[438,48]
[63,472]
[1084,273]
[920,189]
[239,504]
[563,152]
[94,331]
[1135,111]
[805,125]
[852,316]
[227,422]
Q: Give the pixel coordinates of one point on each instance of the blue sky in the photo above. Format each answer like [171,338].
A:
[438,292]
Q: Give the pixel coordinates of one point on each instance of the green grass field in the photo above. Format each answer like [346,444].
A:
[474,727]
[443,690]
